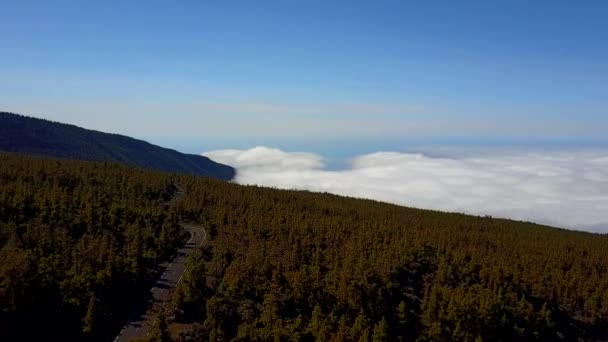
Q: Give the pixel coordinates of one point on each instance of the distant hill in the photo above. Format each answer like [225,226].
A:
[29,135]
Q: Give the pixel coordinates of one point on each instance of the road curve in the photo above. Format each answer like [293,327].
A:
[143,316]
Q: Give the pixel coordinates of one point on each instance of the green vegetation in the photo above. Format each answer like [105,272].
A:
[24,134]
[80,243]
[293,265]
[81,239]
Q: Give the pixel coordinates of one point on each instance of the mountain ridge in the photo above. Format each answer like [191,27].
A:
[30,135]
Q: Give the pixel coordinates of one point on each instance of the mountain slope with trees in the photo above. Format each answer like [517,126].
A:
[79,240]
[293,265]
[29,135]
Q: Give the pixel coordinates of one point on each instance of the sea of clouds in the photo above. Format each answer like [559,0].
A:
[566,188]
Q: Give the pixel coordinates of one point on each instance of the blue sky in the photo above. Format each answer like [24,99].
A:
[199,75]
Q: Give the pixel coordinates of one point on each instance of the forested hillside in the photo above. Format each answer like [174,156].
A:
[24,134]
[79,239]
[309,266]
[81,242]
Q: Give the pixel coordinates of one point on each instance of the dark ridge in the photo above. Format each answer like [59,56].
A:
[22,134]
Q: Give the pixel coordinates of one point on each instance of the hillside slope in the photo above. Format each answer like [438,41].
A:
[29,135]
[81,241]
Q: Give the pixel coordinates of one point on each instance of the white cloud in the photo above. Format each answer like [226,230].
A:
[566,188]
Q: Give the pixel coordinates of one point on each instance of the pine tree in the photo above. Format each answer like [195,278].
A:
[381,331]
[402,316]
[92,319]
[360,328]
[316,325]
[270,306]
[159,332]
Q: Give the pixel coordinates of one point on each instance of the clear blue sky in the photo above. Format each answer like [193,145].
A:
[212,72]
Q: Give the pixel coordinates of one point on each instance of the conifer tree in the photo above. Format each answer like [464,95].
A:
[381,331]
[159,332]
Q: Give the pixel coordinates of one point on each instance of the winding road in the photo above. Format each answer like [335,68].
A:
[143,317]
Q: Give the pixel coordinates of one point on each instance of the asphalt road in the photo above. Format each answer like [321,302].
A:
[143,317]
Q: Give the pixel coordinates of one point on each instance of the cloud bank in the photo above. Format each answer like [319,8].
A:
[566,188]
